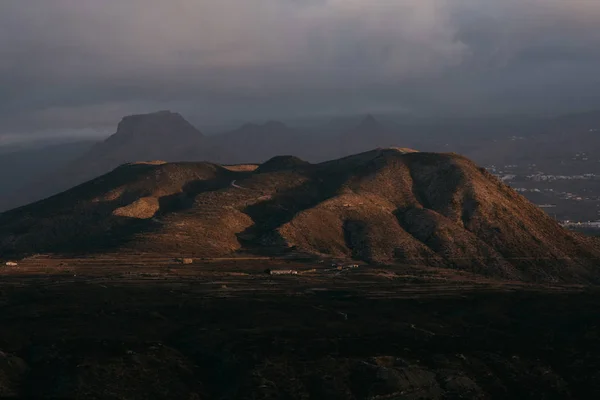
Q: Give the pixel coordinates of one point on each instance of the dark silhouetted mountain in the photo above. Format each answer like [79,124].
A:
[20,169]
[381,206]
[369,133]
[161,135]
[254,143]
[370,124]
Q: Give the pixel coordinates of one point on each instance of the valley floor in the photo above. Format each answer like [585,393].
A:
[149,328]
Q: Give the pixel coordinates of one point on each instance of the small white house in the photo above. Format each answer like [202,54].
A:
[283,272]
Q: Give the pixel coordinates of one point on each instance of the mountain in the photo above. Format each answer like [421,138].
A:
[160,135]
[19,167]
[549,143]
[167,136]
[253,143]
[381,206]
[367,134]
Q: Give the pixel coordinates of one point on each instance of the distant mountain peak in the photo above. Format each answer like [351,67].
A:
[370,118]
[275,124]
[154,114]
[157,123]
[369,123]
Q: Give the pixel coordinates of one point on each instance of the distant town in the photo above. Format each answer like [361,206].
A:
[572,197]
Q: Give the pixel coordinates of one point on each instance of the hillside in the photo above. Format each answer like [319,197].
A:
[160,135]
[385,205]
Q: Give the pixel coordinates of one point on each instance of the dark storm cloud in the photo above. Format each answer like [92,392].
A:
[80,63]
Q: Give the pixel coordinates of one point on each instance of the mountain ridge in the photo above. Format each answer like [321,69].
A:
[382,206]
[542,144]
[168,136]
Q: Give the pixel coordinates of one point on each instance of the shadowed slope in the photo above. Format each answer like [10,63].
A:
[104,212]
[385,205]
[160,135]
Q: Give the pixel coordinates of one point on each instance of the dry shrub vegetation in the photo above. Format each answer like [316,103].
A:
[382,206]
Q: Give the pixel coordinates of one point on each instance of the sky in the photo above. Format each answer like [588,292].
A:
[80,65]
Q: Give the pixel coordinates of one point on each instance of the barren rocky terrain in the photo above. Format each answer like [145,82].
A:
[382,206]
[389,274]
[144,327]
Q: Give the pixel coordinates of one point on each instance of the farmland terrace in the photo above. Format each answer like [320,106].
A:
[148,327]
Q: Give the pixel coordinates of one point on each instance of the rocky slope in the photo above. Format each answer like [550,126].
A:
[382,206]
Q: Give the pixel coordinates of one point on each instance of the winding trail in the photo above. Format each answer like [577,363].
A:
[236,186]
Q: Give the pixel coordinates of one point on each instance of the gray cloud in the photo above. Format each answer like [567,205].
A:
[80,63]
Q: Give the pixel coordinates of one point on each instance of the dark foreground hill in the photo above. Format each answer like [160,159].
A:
[148,328]
[386,205]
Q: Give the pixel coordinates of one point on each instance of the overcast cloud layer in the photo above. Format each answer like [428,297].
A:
[71,64]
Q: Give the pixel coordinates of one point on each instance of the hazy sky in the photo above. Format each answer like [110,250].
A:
[72,64]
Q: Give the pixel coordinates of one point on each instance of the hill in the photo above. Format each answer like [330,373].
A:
[160,135]
[385,205]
